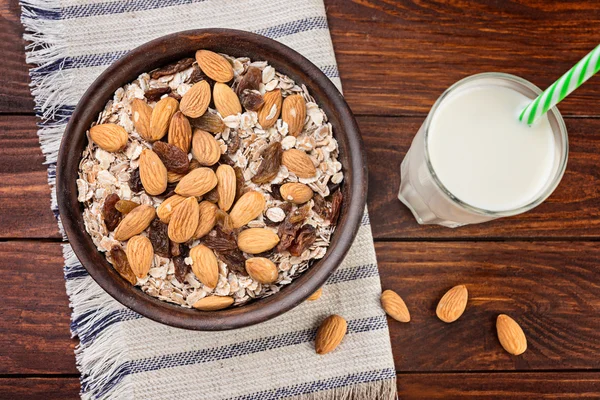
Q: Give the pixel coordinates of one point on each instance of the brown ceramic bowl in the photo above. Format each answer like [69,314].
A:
[158,53]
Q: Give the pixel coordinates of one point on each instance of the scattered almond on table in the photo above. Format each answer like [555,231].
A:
[511,336]
[330,334]
[316,295]
[394,306]
[452,305]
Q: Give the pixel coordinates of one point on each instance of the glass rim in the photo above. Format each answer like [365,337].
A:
[553,182]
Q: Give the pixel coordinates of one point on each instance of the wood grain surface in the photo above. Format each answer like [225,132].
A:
[395,58]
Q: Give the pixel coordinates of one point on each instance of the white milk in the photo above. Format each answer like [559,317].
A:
[484,155]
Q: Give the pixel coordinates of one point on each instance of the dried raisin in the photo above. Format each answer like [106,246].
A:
[159,237]
[125,206]
[305,237]
[173,157]
[111,215]
[336,205]
[121,265]
[172,68]
[250,81]
[234,144]
[135,183]
[240,182]
[181,268]
[154,94]
[320,206]
[269,167]
[252,100]
[210,122]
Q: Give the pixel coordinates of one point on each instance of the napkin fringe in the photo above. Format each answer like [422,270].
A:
[380,390]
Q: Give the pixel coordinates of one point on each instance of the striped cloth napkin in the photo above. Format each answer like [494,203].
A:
[123,355]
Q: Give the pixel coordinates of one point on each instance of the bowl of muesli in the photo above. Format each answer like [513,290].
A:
[211,179]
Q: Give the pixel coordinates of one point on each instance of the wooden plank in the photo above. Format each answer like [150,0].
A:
[34,312]
[15,95]
[426,386]
[550,288]
[572,211]
[499,386]
[396,58]
[24,192]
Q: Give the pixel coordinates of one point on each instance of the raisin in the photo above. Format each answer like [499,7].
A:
[300,214]
[220,243]
[135,183]
[320,206]
[210,122]
[111,215]
[333,187]
[252,100]
[154,94]
[224,222]
[226,159]
[174,95]
[288,228]
[212,196]
[276,192]
[336,205]
[235,261]
[269,167]
[305,237]
[240,182]
[173,157]
[172,68]
[234,144]
[181,268]
[175,248]
[125,206]
[250,81]
[159,237]
[121,265]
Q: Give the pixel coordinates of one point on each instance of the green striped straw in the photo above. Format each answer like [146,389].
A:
[581,72]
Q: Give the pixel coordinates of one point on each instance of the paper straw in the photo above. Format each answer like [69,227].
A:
[581,72]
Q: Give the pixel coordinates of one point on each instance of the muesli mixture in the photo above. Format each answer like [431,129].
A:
[211,181]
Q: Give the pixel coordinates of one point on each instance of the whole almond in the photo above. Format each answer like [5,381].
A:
[330,334]
[205,265]
[394,306]
[140,255]
[205,148]
[298,193]
[262,270]
[299,163]
[135,222]
[214,65]
[453,304]
[225,186]
[316,295]
[180,132]
[269,112]
[166,208]
[109,137]
[161,117]
[184,220]
[293,112]
[226,101]
[248,207]
[153,173]
[510,334]
[196,100]
[206,219]
[141,113]
[257,240]
[196,182]
[213,303]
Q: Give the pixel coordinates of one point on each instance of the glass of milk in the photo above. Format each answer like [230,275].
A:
[473,160]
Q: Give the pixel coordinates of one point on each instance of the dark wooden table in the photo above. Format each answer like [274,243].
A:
[395,58]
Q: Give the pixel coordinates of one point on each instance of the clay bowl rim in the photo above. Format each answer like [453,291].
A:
[159,52]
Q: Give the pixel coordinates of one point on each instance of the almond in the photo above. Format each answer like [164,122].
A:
[330,334]
[153,173]
[226,101]
[135,222]
[299,163]
[205,266]
[257,240]
[197,182]
[109,137]
[161,117]
[510,334]
[166,208]
[269,112]
[180,132]
[196,100]
[214,65]
[173,177]
[140,255]
[298,193]
[293,112]
[206,219]
[262,270]
[248,207]
[316,295]
[225,186]
[205,148]
[213,303]
[141,113]
[394,306]
[184,220]
[453,304]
